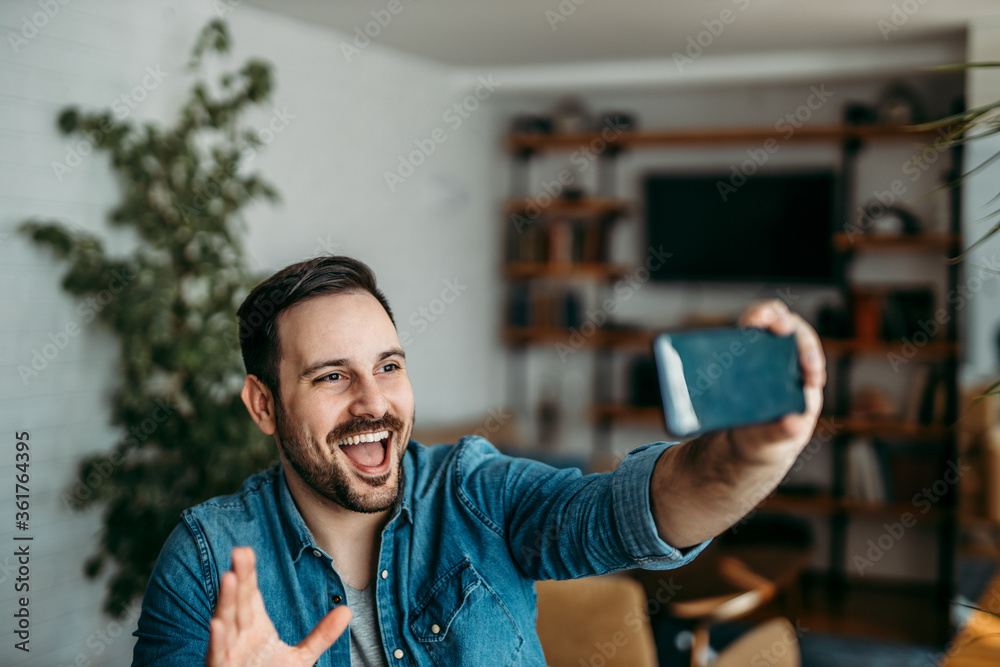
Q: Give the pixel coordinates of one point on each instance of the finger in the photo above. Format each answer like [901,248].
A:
[811,356]
[225,610]
[246,572]
[218,643]
[325,633]
[773,315]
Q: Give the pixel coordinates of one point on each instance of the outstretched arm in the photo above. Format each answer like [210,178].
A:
[704,486]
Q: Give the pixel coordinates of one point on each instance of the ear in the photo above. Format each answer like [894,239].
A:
[260,403]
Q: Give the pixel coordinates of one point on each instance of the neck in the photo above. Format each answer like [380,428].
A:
[351,538]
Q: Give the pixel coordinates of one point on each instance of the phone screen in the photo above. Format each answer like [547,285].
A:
[714,379]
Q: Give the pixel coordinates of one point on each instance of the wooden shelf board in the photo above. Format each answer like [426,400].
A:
[865,241]
[847,346]
[825,504]
[599,270]
[536,336]
[590,206]
[893,429]
[708,136]
[634,338]
[599,338]
[641,414]
[628,414]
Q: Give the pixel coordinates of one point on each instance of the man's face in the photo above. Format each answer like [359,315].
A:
[343,379]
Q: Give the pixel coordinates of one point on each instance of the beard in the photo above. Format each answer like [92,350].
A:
[332,478]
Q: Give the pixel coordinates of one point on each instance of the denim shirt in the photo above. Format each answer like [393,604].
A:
[473,531]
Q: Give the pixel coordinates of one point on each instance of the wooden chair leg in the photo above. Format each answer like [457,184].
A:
[700,646]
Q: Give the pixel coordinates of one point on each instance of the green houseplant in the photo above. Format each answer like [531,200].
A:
[185,436]
[962,128]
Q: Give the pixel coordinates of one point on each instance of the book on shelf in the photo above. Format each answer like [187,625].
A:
[864,480]
[913,402]
[543,307]
[558,240]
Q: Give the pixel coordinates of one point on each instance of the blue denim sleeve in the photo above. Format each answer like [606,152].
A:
[561,524]
[176,608]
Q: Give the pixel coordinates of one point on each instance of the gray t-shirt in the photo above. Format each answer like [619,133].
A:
[366,642]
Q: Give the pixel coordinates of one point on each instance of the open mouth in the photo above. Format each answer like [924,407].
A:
[369,452]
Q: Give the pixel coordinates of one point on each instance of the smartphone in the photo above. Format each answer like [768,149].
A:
[715,379]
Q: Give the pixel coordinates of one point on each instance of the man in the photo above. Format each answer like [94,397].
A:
[434,549]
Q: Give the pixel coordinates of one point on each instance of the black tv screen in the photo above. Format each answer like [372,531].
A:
[774,226]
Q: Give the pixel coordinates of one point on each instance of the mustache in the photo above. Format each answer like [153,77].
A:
[358,425]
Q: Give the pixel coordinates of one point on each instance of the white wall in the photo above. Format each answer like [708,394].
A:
[349,122]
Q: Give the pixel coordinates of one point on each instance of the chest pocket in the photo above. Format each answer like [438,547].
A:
[462,621]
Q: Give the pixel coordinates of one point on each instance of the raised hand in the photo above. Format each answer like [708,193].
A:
[242,633]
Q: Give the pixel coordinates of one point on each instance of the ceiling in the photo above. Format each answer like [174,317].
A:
[511,33]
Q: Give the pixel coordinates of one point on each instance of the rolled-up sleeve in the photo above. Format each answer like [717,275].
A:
[561,524]
[634,512]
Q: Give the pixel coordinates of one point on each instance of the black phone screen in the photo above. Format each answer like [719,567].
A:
[714,379]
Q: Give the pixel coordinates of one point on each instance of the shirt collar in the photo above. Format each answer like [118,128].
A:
[297,533]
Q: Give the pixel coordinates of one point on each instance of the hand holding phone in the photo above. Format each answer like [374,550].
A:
[716,379]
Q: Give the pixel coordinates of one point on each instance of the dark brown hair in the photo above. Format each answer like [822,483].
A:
[258,315]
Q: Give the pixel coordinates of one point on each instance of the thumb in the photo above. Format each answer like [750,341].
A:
[327,631]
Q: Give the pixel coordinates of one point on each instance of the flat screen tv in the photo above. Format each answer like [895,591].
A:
[775,226]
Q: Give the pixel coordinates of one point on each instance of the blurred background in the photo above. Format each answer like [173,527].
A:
[540,187]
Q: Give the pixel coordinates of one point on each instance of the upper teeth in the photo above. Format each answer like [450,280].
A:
[364,437]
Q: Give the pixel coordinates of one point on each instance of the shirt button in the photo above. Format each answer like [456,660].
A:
[435,629]
[316,553]
[337,599]
[398,653]
[385,575]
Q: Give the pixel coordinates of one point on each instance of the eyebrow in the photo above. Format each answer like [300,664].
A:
[394,352]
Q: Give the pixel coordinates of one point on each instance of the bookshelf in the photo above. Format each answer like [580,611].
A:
[565,251]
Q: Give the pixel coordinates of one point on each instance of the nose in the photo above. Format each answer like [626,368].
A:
[369,401]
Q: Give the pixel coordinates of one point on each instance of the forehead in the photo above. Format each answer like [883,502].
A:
[347,325]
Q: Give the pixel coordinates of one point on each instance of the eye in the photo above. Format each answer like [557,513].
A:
[331,377]
[390,367]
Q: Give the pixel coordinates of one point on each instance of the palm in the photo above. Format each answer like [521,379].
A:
[242,633]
